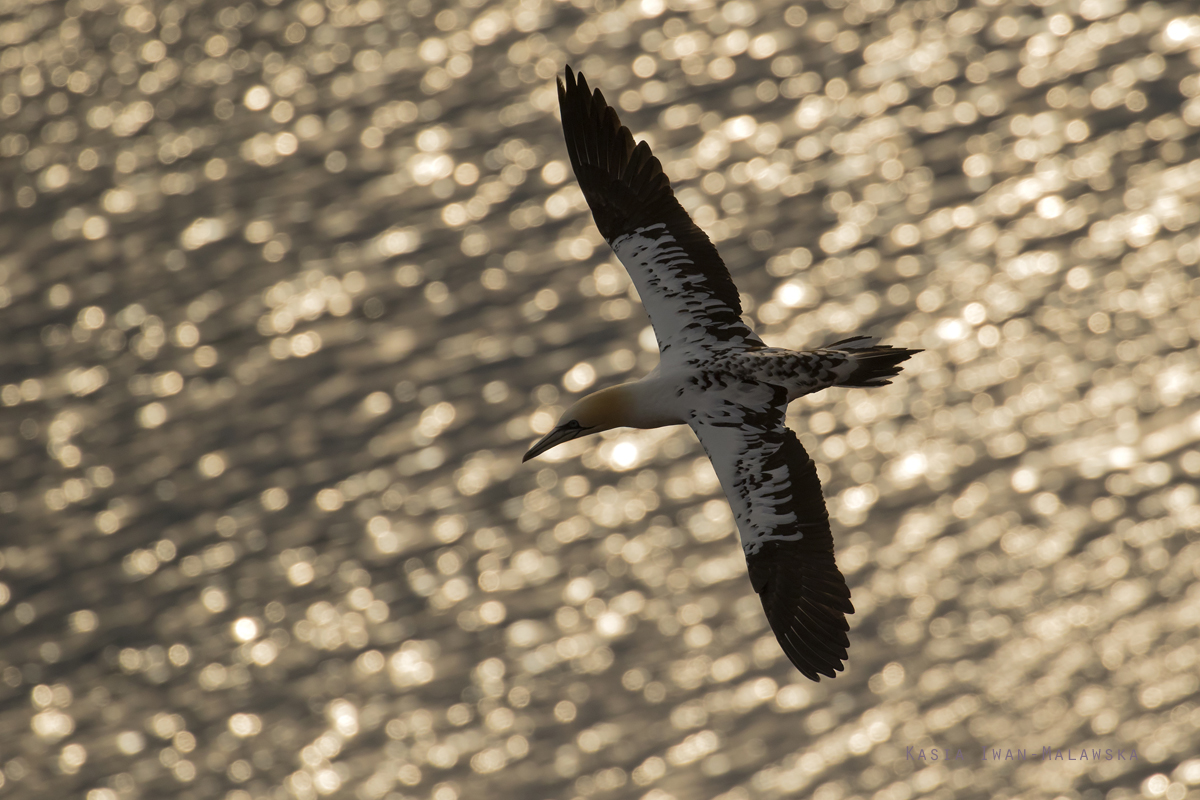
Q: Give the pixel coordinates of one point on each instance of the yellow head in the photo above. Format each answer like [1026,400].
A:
[599,411]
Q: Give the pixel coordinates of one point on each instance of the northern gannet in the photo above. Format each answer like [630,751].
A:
[716,376]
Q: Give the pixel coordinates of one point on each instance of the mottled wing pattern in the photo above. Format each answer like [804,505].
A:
[858,361]
[683,283]
[775,495]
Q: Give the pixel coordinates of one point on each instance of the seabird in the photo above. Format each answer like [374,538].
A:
[716,376]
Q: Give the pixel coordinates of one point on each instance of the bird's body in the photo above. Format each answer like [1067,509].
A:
[716,376]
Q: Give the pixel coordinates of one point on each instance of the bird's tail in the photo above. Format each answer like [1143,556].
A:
[874,363]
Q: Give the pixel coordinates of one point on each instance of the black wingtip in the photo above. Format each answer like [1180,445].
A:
[564,88]
[625,188]
[806,605]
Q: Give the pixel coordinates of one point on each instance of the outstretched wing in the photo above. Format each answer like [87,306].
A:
[775,495]
[683,283]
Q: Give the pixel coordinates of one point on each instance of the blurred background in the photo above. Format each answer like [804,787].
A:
[287,288]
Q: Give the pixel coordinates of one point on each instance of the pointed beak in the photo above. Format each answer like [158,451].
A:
[552,439]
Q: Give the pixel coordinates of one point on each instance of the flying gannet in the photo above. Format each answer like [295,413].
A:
[715,375]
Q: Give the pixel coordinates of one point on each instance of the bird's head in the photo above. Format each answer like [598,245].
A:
[599,411]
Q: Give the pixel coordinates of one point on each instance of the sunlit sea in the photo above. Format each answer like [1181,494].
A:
[287,289]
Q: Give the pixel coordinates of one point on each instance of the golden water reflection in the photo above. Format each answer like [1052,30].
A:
[288,288]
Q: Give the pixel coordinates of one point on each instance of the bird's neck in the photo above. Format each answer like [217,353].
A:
[646,403]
